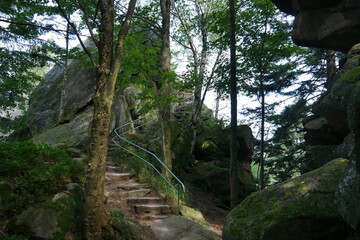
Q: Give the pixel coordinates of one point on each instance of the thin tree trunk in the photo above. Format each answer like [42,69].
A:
[165,89]
[330,65]
[217,105]
[234,192]
[262,145]
[108,69]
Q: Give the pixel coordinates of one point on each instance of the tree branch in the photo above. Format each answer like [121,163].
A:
[187,33]
[32,25]
[77,34]
[83,9]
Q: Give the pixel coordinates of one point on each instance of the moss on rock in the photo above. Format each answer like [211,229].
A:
[75,134]
[352,76]
[195,215]
[50,220]
[309,196]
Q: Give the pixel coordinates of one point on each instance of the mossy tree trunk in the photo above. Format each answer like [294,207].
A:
[107,69]
[165,90]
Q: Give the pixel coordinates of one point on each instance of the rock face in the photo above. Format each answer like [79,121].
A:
[298,209]
[348,195]
[332,24]
[57,101]
[60,112]
[328,130]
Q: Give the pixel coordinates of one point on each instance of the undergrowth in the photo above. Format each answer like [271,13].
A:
[32,173]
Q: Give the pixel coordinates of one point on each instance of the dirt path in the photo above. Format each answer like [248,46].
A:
[203,201]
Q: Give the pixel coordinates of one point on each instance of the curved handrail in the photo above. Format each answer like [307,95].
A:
[119,136]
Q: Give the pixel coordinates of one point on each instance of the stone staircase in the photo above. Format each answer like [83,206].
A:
[138,201]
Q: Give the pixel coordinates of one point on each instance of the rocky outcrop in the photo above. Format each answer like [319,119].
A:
[328,130]
[60,111]
[304,206]
[74,134]
[215,146]
[211,170]
[332,24]
[55,101]
[335,127]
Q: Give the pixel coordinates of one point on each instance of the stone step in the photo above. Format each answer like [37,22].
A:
[136,193]
[118,176]
[153,209]
[150,217]
[133,186]
[112,168]
[145,200]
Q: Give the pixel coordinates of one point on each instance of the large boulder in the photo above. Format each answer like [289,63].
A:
[332,24]
[51,220]
[300,208]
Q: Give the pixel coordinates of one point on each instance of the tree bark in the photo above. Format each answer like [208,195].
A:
[234,192]
[166,88]
[107,70]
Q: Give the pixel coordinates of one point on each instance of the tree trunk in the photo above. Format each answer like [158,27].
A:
[107,70]
[217,105]
[262,132]
[165,88]
[330,65]
[200,75]
[234,192]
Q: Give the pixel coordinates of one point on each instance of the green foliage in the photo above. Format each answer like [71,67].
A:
[141,65]
[23,53]
[36,172]
[287,147]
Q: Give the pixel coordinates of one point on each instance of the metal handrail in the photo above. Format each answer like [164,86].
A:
[119,136]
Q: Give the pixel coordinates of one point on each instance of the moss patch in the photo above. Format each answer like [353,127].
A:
[194,214]
[352,76]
